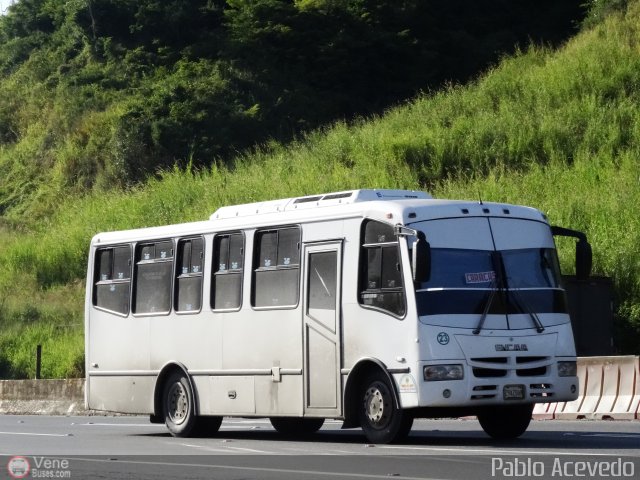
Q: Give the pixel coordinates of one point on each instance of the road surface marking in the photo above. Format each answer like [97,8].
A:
[138,425]
[249,450]
[465,451]
[254,469]
[208,449]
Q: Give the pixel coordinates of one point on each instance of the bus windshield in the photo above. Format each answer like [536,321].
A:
[463,269]
[461,281]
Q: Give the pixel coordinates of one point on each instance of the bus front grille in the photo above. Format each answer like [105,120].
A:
[541,390]
[532,372]
[520,366]
[489,372]
[484,392]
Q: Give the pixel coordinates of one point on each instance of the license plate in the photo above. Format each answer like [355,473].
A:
[513,392]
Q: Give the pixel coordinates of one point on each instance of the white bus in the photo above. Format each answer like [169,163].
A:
[374,307]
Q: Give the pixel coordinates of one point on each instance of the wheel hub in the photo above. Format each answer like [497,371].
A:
[178,403]
[376,407]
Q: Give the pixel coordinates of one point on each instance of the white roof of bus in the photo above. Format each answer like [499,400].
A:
[393,206]
[315,201]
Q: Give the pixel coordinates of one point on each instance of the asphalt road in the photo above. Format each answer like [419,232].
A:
[131,447]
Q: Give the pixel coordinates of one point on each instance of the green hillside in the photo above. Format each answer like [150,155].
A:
[555,128]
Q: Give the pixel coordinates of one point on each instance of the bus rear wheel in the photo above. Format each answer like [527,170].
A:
[507,422]
[178,405]
[296,426]
[380,418]
[178,409]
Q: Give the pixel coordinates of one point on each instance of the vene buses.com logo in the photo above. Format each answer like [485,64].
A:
[18,467]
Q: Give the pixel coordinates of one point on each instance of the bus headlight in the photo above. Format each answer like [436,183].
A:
[567,369]
[433,373]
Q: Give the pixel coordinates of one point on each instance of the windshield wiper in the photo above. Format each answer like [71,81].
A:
[487,306]
[497,285]
[524,306]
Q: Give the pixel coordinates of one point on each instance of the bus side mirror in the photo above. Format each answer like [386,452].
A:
[421,261]
[584,259]
[584,256]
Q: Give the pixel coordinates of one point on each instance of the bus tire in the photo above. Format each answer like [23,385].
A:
[380,418]
[178,405]
[506,422]
[296,426]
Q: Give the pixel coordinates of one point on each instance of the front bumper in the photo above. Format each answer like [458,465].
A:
[485,385]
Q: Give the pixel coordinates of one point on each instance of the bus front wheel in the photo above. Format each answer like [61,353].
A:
[507,422]
[380,418]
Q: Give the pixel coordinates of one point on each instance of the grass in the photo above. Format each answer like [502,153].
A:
[558,130]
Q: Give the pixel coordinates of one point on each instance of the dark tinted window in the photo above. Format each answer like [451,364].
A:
[532,268]
[380,273]
[226,284]
[322,281]
[377,232]
[457,268]
[276,278]
[189,275]
[461,282]
[236,252]
[276,287]
[391,277]
[152,285]
[268,248]
[113,278]
[121,263]
[288,246]
[374,268]
[104,258]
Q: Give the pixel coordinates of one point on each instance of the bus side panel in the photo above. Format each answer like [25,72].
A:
[263,339]
[118,346]
[118,343]
[279,398]
[232,395]
[372,334]
[192,340]
[125,394]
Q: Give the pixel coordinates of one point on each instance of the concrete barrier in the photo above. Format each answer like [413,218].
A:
[544,411]
[570,410]
[609,389]
[594,387]
[42,397]
[620,390]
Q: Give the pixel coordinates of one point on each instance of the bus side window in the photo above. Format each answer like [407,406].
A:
[276,274]
[112,279]
[380,280]
[226,284]
[189,275]
[152,283]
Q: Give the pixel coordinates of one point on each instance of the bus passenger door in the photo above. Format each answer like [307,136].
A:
[322,330]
